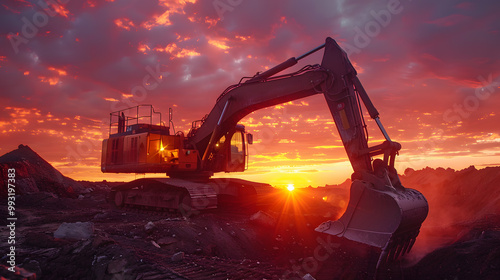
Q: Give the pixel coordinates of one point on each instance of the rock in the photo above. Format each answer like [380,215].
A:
[117,266]
[34,266]
[263,219]
[78,230]
[149,227]
[82,246]
[99,267]
[155,244]
[177,257]
[166,241]
[308,277]
[88,190]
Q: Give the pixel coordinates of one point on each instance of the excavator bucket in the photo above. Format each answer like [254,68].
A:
[388,219]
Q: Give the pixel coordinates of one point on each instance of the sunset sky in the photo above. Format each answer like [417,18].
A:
[432,69]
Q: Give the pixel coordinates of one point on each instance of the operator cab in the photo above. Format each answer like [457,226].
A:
[232,155]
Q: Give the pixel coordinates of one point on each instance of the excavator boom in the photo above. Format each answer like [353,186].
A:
[381,212]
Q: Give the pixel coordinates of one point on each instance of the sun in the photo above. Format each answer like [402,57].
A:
[290,187]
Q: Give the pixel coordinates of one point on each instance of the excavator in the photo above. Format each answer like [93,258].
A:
[380,212]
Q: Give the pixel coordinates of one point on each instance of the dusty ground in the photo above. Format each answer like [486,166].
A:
[219,244]
[216,244]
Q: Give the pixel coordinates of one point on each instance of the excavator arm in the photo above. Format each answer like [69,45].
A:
[335,78]
[381,212]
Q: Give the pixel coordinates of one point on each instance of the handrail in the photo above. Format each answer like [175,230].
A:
[124,120]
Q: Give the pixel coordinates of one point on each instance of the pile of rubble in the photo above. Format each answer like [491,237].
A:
[34,174]
[456,199]
[474,255]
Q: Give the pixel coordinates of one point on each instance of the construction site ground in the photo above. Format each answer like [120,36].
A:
[270,243]
[131,243]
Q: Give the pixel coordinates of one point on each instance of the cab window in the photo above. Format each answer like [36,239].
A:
[237,155]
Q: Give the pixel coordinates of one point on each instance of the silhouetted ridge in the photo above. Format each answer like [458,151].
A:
[34,174]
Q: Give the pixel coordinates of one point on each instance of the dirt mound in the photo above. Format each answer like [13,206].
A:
[457,195]
[455,198]
[34,174]
[476,255]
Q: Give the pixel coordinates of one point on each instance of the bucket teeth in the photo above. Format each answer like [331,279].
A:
[391,250]
[412,241]
[406,246]
[396,248]
[399,251]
